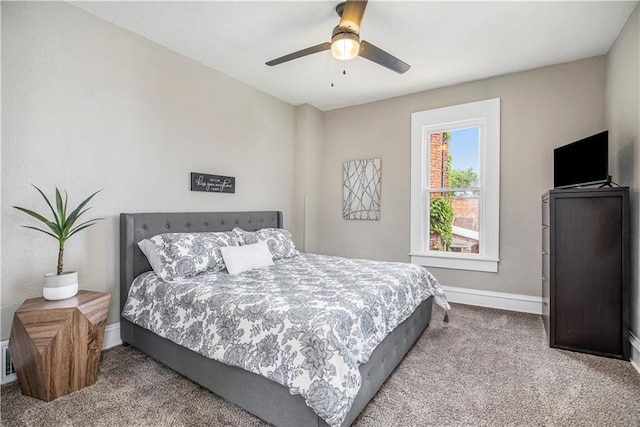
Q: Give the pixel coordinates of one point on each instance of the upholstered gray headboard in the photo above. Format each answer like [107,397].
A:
[138,226]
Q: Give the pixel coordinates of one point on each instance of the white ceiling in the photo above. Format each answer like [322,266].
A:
[444,42]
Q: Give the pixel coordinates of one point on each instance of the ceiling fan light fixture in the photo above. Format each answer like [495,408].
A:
[345,41]
[345,46]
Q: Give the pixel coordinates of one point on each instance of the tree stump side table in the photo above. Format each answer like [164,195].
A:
[56,345]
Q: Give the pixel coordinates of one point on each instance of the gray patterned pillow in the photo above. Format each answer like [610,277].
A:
[278,239]
[182,255]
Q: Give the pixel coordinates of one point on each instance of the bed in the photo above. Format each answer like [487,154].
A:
[257,394]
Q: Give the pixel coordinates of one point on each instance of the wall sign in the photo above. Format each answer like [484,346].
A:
[212,183]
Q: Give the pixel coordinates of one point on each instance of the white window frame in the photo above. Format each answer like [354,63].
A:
[486,116]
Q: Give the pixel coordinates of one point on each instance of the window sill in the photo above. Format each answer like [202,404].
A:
[457,262]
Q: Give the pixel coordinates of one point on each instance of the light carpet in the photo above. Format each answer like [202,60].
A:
[484,367]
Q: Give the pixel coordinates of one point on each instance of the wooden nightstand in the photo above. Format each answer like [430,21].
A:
[55,345]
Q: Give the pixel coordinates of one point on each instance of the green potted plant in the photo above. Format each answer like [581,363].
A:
[62,284]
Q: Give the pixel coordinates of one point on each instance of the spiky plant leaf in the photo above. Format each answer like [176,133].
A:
[48,203]
[42,231]
[75,214]
[62,226]
[75,230]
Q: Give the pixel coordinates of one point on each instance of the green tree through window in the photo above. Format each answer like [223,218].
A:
[463,178]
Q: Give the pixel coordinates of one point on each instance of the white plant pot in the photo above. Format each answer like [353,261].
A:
[60,286]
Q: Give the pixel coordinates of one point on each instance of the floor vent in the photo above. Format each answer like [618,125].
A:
[8,371]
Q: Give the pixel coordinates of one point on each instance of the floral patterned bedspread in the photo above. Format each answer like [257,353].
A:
[307,322]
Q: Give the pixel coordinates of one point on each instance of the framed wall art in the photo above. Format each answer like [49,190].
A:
[361,194]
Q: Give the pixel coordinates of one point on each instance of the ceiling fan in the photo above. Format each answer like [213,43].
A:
[345,41]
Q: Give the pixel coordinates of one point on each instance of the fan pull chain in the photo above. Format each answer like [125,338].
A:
[344,70]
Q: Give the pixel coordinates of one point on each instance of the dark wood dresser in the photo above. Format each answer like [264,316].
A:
[586,270]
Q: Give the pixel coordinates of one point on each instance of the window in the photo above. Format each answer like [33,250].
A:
[455,184]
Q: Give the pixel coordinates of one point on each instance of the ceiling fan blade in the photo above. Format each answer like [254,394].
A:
[379,56]
[299,54]
[352,15]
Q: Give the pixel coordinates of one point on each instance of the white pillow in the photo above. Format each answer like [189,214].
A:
[239,259]
[150,250]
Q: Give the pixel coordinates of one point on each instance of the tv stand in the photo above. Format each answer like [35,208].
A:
[586,270]
[609,183]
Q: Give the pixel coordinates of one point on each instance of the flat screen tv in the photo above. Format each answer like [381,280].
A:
[584,162]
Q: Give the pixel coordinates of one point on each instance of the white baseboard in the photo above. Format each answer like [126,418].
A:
[635,351]
[111,336]
[501,300]
[111,339]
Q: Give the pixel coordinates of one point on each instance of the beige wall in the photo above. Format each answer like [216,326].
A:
[87,105]
[540,109]
[307,184]
[623,121]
